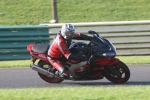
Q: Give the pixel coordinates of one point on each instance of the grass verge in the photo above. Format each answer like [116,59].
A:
[78,93]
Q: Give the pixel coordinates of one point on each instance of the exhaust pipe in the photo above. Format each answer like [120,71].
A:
[43,71]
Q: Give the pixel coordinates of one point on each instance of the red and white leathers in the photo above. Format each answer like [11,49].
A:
[59,48]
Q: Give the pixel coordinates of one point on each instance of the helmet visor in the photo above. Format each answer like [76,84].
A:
[69,34]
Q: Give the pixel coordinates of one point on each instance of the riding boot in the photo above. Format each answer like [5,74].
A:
[65,73]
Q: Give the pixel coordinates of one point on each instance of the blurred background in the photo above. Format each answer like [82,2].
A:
[35,12]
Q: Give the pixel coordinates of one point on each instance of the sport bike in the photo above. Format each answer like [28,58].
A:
[101,62]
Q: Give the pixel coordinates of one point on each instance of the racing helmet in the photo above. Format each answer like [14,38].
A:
[67,31]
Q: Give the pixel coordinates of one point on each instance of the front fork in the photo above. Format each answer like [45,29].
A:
[110,66]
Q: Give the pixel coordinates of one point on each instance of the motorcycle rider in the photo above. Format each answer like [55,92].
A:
[59,48]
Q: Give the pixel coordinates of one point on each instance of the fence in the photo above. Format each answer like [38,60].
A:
[14,39]
[129,37]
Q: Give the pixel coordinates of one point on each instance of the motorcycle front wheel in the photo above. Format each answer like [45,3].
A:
[44,77]
[119,73]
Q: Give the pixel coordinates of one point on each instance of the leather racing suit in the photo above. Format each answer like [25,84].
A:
[59,48]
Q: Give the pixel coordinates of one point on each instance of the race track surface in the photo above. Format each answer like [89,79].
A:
[28,78]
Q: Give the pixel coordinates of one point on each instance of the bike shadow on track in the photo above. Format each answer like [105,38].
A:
[135,83]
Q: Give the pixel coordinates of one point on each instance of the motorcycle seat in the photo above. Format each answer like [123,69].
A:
[40,48]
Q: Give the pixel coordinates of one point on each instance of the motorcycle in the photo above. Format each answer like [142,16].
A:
[101,62]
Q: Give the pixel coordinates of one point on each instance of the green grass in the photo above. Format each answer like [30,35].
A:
[15,64]
[78,93]
[135,59]
[31,12]
[125,59]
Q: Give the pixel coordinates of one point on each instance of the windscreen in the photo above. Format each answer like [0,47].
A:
[98,41]
[99,44]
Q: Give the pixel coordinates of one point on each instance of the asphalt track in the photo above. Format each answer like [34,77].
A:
[28,78]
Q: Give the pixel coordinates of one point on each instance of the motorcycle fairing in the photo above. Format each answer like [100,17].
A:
[102,47]
[106,61]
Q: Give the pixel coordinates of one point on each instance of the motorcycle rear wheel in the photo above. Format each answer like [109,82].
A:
[44,77]
[122,73]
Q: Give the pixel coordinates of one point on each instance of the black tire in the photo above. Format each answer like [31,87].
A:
[44,77]
[122,73]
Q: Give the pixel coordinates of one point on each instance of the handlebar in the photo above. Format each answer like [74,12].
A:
[93,33]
